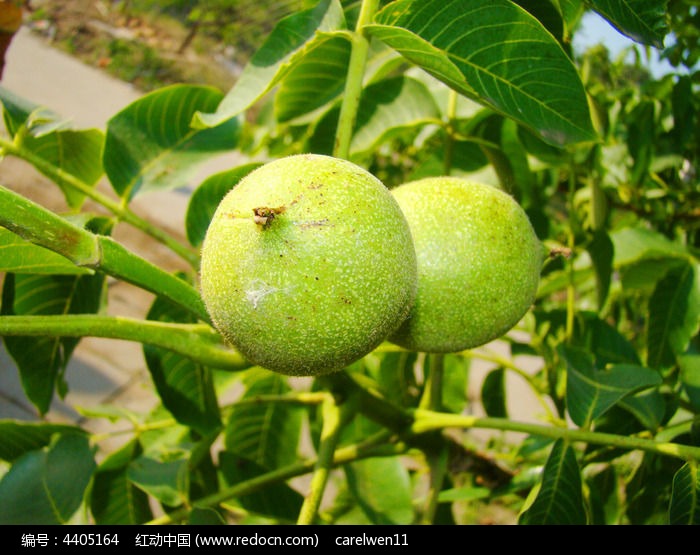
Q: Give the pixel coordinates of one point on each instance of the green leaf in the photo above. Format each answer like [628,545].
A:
[21,256]
[633,244]
[602,254]
[455,383]
[185,387]
[497,54]
[690,377]
[317,79]
[591,392]
[21,114]
[560,499]
[47,486]
[206,198]
[77,153]
[114,499]
[285,47]
[20,437]
[150,144]
[674,315]
[493,394]
[648,407]
[685,496]
[166,480]
[382,488]
[42,360]
[641,20]
[265,433]
[277,500]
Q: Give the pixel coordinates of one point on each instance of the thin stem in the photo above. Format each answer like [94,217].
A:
[197,342]
[432,390]
[353,84]
[330,432]
[122,212]
[426,421]
[450,130]
[375,446]
[571,286]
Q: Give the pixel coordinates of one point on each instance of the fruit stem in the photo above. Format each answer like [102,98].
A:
[334,416]
[353,83]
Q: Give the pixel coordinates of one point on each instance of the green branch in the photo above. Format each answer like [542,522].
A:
[353,83]
[122,212]
[98,252]
[197,342]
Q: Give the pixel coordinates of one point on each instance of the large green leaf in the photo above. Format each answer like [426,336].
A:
[642,20]
[590,392]
[150,144]
[164,478]
[42,360]
[206,198]
[185,387]
[265,433]
[496,53]
[634,244]
[77,153]
[20,437]
[114,499]
[685,496]
[560,499]
[20,256]
[690,377]
[674,315]
[288,43]
[317,79]
[382,489]
[47,486]
[277,500]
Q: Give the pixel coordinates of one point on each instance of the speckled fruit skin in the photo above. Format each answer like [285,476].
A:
[308,265]
[479,263]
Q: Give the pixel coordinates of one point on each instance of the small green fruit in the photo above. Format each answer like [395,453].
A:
[479,263]
[308,265]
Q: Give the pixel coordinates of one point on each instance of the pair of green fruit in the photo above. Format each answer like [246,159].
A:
[310,263]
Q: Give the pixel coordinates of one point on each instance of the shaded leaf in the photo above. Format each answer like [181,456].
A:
[77,153]
[602,254]
[265,433]
[641,20]
[185,387]
[382,489]
[516,67]
[685,496]
[493,394]
[114,499]
[206,198]
[317,79]
[42,360]
[166,480]
[674,315]
[20,437]
[560,499]
[47,486]
[289,41]
[591,392]
[150,144]
[277,500]
[648,407]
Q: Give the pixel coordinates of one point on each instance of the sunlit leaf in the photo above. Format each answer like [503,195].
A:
[281,51]
[150,144]
[47,486]
[560,498]
[690,377]
[497,54]
[166,480]
[382,489]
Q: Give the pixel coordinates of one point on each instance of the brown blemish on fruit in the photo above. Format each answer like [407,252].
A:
[264,215]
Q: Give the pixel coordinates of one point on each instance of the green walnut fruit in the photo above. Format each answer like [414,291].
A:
[479,263]
[308,265]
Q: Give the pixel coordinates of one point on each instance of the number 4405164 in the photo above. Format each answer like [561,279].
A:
[91,539]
